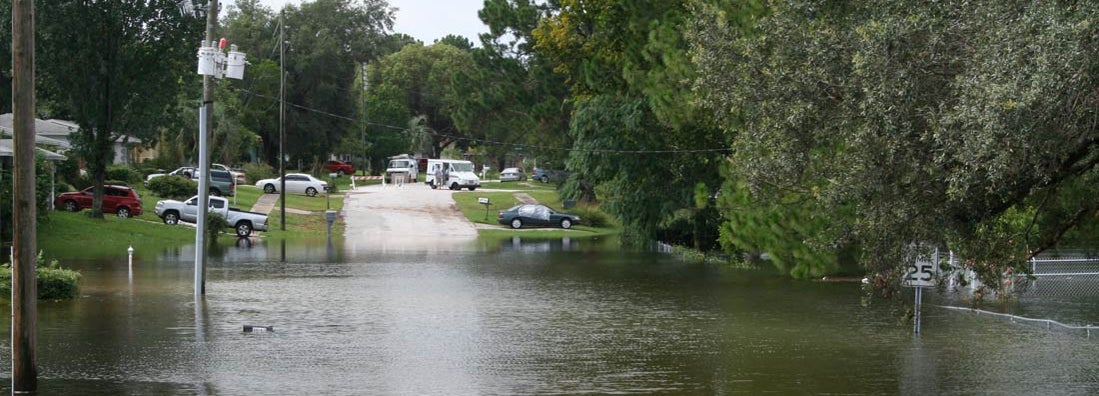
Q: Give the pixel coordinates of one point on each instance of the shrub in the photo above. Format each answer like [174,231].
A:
[257,172]
[123,173]
[173,187]
[53,282]
[215,225]
[591,216]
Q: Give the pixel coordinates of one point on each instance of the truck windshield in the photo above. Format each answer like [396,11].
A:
[463,167]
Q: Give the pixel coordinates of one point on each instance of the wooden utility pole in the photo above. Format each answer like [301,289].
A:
[24,295]
[208,86]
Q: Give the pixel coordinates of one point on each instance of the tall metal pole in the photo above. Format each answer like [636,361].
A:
[207,115]
[24,291]
[282,122]
[363,162]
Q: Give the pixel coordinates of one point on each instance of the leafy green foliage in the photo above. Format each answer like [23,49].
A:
[124,173]
[627,66]
[111,66]
[41,193]
[417,82]
[328,41]
[935,123]
[591,216]
[256,172]
[52,281]
[215,225]
[173,187]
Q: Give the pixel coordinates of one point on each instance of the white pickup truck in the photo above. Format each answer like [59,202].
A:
[244,222]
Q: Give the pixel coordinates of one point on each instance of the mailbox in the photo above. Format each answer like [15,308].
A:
[482,201]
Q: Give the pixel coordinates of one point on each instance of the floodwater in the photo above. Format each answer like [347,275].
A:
[517,317]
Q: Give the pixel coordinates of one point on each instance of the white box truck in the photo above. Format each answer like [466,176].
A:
[456,174]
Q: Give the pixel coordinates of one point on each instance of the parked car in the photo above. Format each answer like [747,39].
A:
[242,222]
[238,177]
[222,183]
[549,175]
[339,167]
[191,172]
[120,200]
[296,183]
[185,171]
[512,174]
[536,215]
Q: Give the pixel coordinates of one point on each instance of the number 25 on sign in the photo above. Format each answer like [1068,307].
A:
[920,274]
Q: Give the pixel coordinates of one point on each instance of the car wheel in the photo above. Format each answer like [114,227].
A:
[455,187]
[171,217]
[215,192]
[312,192]
[545,179]
[433,185]
[472,188]
[244,229]
[339,173]
[123,212]
[516,223]
[269,188]
[566,223]
[71,206]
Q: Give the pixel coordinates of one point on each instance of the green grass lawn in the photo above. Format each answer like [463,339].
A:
[75,235]
[467,203]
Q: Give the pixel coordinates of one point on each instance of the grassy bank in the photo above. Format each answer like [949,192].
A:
[75,235]
[467,203]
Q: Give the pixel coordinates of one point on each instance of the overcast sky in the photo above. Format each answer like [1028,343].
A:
[426,20]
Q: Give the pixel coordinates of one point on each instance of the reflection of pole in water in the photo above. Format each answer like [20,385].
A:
[201,355]
[331,250]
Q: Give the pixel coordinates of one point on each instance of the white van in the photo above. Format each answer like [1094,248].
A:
[459,174]
[402,166]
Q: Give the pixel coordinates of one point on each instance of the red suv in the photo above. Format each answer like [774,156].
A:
[116,199]
[339,167]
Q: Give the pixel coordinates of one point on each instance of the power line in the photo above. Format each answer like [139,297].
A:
[500,143]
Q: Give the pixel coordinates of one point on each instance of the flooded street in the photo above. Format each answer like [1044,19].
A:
[519,321]
[517,316]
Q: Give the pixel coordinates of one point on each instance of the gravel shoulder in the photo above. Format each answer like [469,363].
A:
[409,218]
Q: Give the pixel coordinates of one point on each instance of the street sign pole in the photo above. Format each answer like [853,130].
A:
[920,274]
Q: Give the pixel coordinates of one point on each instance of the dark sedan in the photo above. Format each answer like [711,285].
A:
[536,215]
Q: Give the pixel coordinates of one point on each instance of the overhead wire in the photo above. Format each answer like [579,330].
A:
[495,142]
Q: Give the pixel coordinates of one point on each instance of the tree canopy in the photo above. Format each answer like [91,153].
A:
[114,68]
[959,124]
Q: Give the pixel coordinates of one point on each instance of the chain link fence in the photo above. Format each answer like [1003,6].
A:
[1062,294]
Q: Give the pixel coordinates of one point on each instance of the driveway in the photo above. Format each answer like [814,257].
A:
[402,219]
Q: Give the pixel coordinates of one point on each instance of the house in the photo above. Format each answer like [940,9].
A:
[56,135]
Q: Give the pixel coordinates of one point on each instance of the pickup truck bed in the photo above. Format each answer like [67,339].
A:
[243,222]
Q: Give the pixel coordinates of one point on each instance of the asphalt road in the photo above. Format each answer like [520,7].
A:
[404,219]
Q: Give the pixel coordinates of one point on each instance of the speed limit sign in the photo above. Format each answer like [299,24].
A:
[922,272]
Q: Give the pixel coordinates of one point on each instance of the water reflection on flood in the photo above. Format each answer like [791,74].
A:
[515,316]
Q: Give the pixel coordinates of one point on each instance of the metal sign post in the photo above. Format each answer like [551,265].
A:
[920,274]
[484,201]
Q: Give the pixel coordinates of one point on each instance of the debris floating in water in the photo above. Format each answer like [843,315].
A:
[258,329]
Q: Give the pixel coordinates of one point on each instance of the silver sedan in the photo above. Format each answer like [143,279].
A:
[296,183]
[512,174]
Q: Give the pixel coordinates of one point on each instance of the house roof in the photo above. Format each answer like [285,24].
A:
[7,151]
[53,132]
[43,127]
[48,132]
